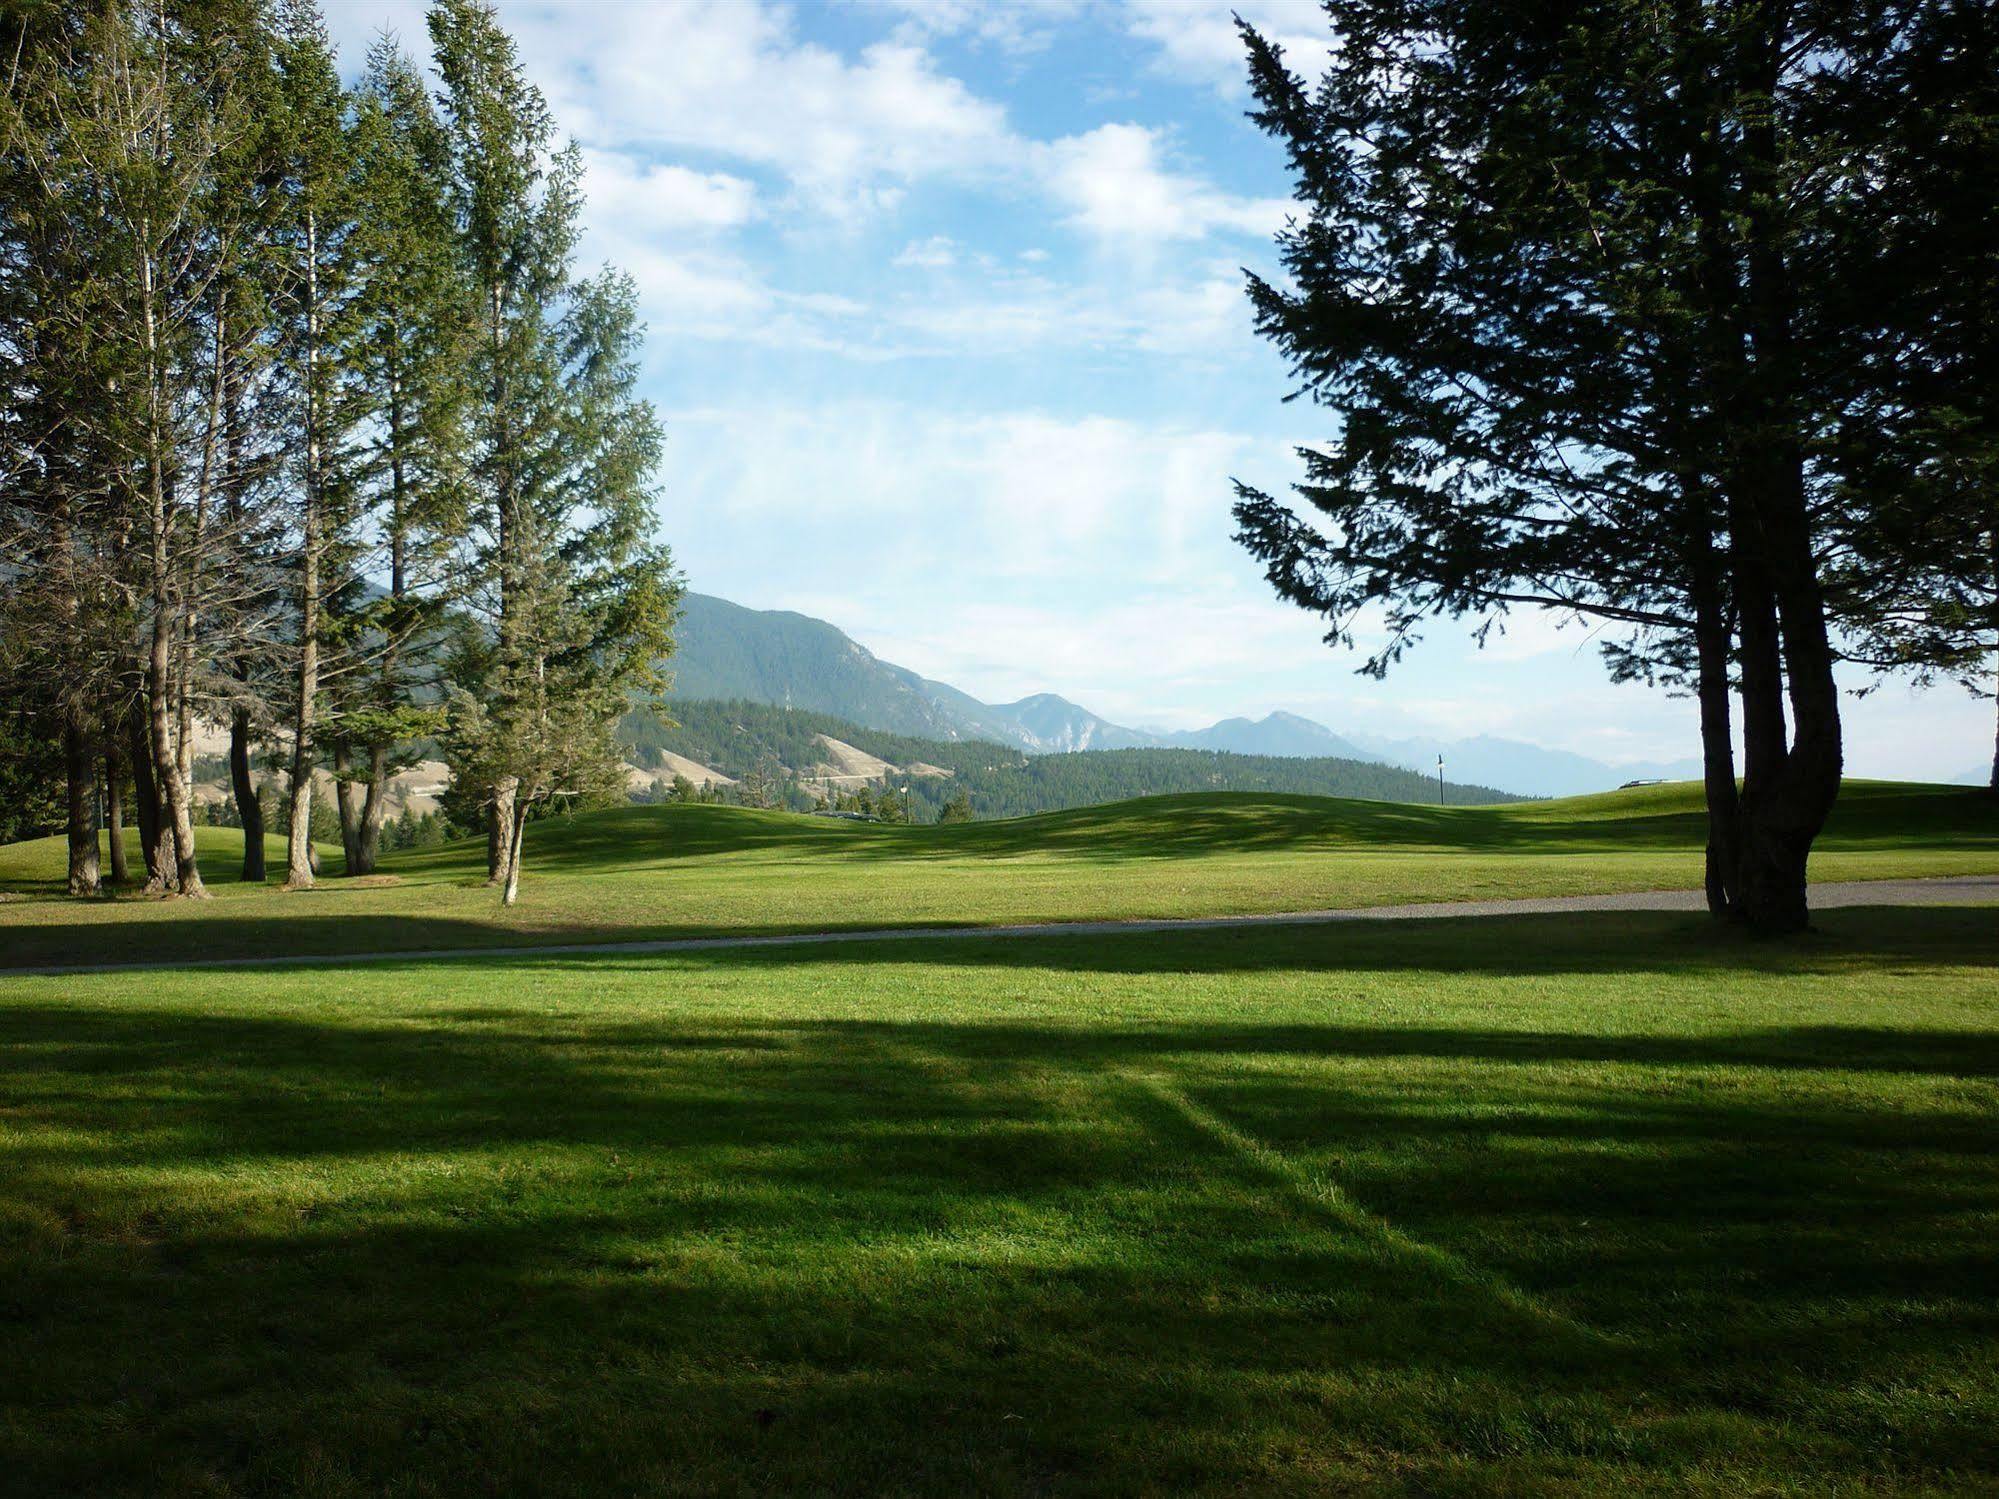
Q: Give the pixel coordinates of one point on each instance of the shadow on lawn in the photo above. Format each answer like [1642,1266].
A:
[1601,942]
[1180,827]
[944,1258]
[255,1252]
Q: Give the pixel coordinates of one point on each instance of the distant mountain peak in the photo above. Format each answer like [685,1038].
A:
[786,659]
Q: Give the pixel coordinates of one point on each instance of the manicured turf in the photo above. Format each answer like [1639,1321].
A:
[651,872]
[1631,1205]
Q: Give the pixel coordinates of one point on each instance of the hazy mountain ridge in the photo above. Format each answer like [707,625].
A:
[1273,734]
[811,755]
[790,660]
[1530,769]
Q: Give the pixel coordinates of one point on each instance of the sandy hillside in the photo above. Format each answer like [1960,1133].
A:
[417,788]
[845,763]
[671,765]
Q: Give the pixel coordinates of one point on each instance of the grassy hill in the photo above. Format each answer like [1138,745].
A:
[672,871]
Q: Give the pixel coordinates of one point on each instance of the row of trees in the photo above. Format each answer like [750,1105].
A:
[308,429]
[1676,313]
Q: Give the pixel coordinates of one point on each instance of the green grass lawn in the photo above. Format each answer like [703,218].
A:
[1625,1205]
[655,872]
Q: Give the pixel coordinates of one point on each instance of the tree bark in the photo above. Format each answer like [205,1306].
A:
[80,767]
[1712,640]
[298,847]
[299,863]
[516,837]
[175,814]
[249,810]
[1769,881]
[114,802]
[1796,787]
[500,829]
[159,684]
[242,782]
[350,815]
[155,841]
[369,844]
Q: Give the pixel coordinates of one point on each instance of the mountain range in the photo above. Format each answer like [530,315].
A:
[794,661]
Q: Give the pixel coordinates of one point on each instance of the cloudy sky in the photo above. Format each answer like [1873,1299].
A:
[946,313]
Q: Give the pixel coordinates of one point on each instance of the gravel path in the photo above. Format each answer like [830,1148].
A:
[1958,890]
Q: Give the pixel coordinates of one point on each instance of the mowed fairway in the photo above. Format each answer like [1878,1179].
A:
[1615,1203]
[665,872]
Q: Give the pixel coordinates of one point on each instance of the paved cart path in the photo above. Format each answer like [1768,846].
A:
[1957,890]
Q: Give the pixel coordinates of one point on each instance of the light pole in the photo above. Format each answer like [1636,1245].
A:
[1440,780]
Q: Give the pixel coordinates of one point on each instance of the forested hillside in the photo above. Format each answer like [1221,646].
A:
[781,745]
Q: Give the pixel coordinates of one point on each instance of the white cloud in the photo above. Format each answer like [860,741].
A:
[939,252]
[634,198]
[1016,26]
[1197,39]
[1020,507]
[1115,183]
[1194,311]
[1527,634]
[736,80]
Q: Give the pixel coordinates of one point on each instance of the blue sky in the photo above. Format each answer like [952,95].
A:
[946,321]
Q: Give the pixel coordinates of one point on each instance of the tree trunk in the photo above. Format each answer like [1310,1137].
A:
[516,837]
[500,830]
[1770,880]
[155,841]
[80,767]
[298,849]
[350,815]
[1711,642]
[299,862]
[242,782]
[159,685]
[1816,764]
[114,802]
[373,807]
[1995,745]
[175,814]
[1772,532]
[1724,854]
[249,810]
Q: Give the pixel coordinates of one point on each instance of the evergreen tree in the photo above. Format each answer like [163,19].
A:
[1917,580]
[411,352]
[115,132]
[577,602]
[314,233]
[514,202]
[1573,281]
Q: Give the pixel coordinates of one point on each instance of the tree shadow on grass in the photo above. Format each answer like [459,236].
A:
[498,1250]
[1182,827]
[1592,942]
